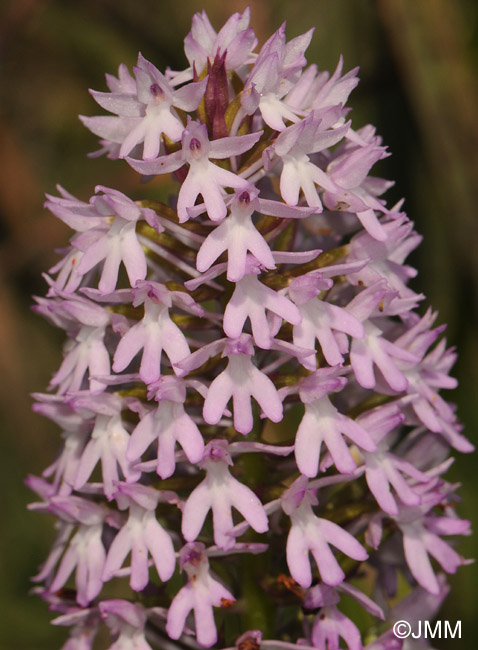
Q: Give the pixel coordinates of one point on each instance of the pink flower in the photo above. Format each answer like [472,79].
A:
[322,422]
[374,349]
[139,535]
[153,334]
[250,300]
[329,625]
[145,109]
[272,77]
[86,323]
[85,551]
[348,172]
[107,227]
[127,622]
[321,90]
[167,424]
[204,177]
[421,533]
[220,492]
[84,625]
[236,234]
[200,594]
[314,534]
[320,319]
[385,259]
[293,146]
[235,40]
[384,469]
[426,378]
[108,442]
[421,539]
[242,381]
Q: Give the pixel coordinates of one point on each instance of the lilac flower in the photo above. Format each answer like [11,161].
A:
[204,177]
[329,625]
[421,539]
[66,466]
[85,550]
[271,78]
[87,554]
[119,244]
[68,278]
[86,352]
[220,492]
[426,378]
[140,534]
[311,533]
[62,537]
[374,348]
[385,258]
[421,533]
[75,432]
[250,300]
[77,214]
[348,172]
[321,90]
[241,380]
[200,594]
[108,442]
[322,595]
[237,234]
[103,239]
[127,622]
[322,422]
[167,424]
[384,469]
[84,625]
[293,146]
[319,319]
[235,40]
[144,111]
[114,129]
[153,334]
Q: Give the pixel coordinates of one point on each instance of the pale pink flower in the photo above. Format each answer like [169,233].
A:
[140,535]
[310,533]
[204,177]
[201,593]
[220,492]
[241,381]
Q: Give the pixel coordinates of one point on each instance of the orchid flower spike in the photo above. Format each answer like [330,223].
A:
[250,392]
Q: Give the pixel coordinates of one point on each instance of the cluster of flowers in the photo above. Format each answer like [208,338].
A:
[259,351]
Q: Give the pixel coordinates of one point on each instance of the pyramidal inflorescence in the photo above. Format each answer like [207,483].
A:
[249,400]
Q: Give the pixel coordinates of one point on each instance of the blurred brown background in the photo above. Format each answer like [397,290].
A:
[418,86]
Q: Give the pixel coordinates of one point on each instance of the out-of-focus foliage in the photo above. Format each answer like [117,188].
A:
[417,86]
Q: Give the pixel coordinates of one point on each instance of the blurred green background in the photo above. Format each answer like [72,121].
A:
[418,86]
